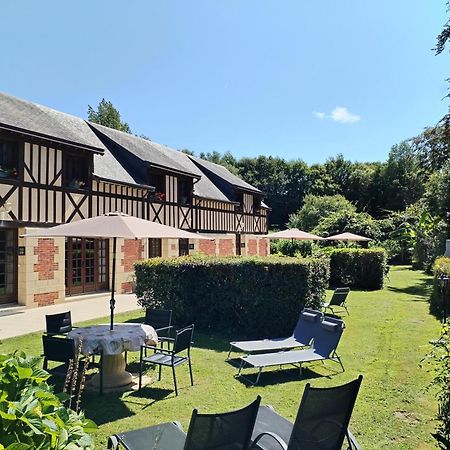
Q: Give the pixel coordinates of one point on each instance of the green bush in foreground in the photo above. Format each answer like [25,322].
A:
[440,267]
[234,295]
[439,357]
[358,268]
[32,415]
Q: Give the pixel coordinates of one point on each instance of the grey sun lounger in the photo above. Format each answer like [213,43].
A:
[323,348]
[305,330]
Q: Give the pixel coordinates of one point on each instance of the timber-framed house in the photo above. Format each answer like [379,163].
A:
[57,168]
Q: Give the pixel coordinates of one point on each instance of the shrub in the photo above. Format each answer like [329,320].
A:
[235,295]
[32,416]
[358,268]
[287,247]
[441,267]
[439,358]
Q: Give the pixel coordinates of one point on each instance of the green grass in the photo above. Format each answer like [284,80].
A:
[386,336]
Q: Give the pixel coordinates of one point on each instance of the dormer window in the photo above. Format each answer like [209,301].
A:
[9,159]
[240,200]
[158,181]
[76,173]
[185,187]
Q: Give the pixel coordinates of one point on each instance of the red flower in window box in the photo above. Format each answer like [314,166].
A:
[160,196]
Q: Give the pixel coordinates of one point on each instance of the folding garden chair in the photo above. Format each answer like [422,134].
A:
[321,423]
[170,358]
[226,431]
[338,300]
[323,348]
[306,328]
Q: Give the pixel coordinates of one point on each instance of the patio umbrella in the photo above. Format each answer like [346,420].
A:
[115,225]
[294,233]
[348,237]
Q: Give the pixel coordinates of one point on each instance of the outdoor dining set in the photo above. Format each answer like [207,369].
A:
[323,416]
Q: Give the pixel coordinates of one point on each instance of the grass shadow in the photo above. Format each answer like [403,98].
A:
[421,290]
[104,408]
[151,393]
[274,377]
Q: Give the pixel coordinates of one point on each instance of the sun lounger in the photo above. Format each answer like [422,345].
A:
[305,330]
[323,348]
[338,300]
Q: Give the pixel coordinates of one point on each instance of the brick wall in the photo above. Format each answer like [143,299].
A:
[132,251]
[252,248]
[46,265]
[207,247]
[263,247]
[226,247]
[45,299]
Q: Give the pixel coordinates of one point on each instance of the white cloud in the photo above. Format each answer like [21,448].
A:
[339,114]
[343,115]
[319,115]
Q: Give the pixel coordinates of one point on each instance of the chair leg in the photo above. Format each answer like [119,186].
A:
[174,380]
[101,374]
[141,366]
[190,372]
[159,372]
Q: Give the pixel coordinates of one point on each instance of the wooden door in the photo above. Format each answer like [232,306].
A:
[87,265]
[8,265]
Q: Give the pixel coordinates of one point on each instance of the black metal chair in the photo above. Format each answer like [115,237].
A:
[227,431]
[58,324]
[58,349]
[338,300]
[160,320]
[321,423]
[170,358]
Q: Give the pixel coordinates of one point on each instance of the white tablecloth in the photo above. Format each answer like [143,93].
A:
[124,337]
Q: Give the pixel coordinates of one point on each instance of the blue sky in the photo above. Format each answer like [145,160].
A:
[297,79]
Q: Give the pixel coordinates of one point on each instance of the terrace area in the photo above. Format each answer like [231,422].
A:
[386,337]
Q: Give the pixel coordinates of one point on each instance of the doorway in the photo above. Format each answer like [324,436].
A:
[8,265]
[87,265]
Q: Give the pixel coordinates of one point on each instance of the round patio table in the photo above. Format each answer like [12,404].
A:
[112,344]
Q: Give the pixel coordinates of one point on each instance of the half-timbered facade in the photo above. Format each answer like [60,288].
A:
[57,168]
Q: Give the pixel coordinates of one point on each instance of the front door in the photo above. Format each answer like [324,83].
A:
[8,265]
[87,265]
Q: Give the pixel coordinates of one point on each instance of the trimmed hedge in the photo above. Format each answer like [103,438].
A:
[236,296]
[440,267]
[358,268]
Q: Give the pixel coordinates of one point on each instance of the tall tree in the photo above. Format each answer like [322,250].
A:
[106,114]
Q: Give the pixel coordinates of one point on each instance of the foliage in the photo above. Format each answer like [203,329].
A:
[441,267]
[347,221]
[106,114]
[437,192]
[287,247]
[239,295]
[32,416]
[439,358]
[316,208]
[358,268]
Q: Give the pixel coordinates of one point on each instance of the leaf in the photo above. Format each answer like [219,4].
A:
[24,372]
[18,446]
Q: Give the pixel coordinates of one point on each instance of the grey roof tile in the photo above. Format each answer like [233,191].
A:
[48,123]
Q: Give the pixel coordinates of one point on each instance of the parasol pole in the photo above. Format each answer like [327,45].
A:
[112,302]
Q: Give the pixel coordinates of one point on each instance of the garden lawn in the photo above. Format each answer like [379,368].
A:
[386,336]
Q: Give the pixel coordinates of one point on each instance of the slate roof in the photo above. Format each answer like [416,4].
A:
[153,153]
[224,174]
[40,121]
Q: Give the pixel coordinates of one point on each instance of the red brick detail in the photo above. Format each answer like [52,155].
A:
[45,299]
[226,247]
[252,247]
[263,247]
[46,265]
[127,287]
[132,250]
[207,247]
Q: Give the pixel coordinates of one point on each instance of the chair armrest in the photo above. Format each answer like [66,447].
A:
[274,436]
[158,349]
[352,442]
[164,328]
[113,442]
